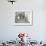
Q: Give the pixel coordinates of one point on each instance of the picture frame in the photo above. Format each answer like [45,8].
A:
[24,18]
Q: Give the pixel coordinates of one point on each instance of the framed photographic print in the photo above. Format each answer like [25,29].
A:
[23,18]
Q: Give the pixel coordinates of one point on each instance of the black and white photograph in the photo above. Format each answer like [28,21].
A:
[23,18]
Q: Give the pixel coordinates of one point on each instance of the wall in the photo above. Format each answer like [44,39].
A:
[9,31]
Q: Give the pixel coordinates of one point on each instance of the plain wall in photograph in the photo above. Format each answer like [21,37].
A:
[8,31]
